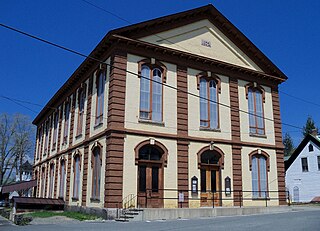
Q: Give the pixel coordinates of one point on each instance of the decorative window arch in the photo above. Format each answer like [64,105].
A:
[76,174]
[256,97]
[152,75]
[259,167]
[209,87]
[218,160]
[81,103]
[96,162]
[153,143]
[100,85]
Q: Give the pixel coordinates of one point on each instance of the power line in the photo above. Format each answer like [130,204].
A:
[300,99]
[125,20]
[16,102]
[140,76]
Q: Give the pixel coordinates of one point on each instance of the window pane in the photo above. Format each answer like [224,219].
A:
[263,176]
[157,96]
[145,92]
[203,103]
[252,122]
[318,162]
[213,181]
[259,111]
[304,163]
[254,174]
[203,181]
[213,105]
[142,178]
[155,179]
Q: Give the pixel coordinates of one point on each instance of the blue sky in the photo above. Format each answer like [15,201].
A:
[288,32]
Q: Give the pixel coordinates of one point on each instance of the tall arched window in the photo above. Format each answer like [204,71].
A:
[62,178]
[259,175]
[100,82]
[51,180]
[209,115]
[81,100]
[55,130]
[43,182]
[96,172]
[152,77]
[46,139]
[76,181]
[66,122]
[255,106]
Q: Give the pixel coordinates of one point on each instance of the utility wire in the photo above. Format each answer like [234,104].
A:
[300,99]
[140,76]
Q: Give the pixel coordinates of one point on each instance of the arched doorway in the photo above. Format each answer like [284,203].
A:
[150,159]
[210,163]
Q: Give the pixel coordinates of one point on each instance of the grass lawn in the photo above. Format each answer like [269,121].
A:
[74,215]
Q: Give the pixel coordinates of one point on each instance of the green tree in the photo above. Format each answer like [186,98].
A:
[309,127]
[288,145]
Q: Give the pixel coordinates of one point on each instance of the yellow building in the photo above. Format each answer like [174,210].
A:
[181,110]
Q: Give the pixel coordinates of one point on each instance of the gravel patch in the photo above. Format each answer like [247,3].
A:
[54,220]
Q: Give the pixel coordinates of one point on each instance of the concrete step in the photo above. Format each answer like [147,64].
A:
[122,220]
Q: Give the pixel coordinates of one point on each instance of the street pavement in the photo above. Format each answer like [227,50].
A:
[307,219]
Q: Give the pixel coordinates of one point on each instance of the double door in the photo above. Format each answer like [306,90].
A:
[210,187]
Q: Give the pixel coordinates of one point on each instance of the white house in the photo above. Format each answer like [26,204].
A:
[303,170]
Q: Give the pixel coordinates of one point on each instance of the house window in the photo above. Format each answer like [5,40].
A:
[304,164]
[76,182]
[66,122]
[151,93]
[100,97]
[96,173]
[209,116]
[318,157]
[81,100]
[255,105]
[62,178]
[259,176]
[51,176]
[55,130]
[310,148]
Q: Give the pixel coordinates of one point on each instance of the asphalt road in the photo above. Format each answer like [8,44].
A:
[298,220]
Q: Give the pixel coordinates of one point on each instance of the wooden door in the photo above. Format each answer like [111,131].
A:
[210,187]
[150,180]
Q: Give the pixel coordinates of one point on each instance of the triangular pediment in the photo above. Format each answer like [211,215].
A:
[204,39]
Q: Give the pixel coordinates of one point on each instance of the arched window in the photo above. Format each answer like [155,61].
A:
[209,115]
[152,77]
[43,182]
[255,106]
[76,181]
[96,172]
[51,180]
[100,82]
[46,140]
[259,175]
[55,130]
[310,148]
[62,178]
[81,100]
[66,122]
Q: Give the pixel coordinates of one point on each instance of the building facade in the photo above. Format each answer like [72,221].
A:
[303,170]
[182,106]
